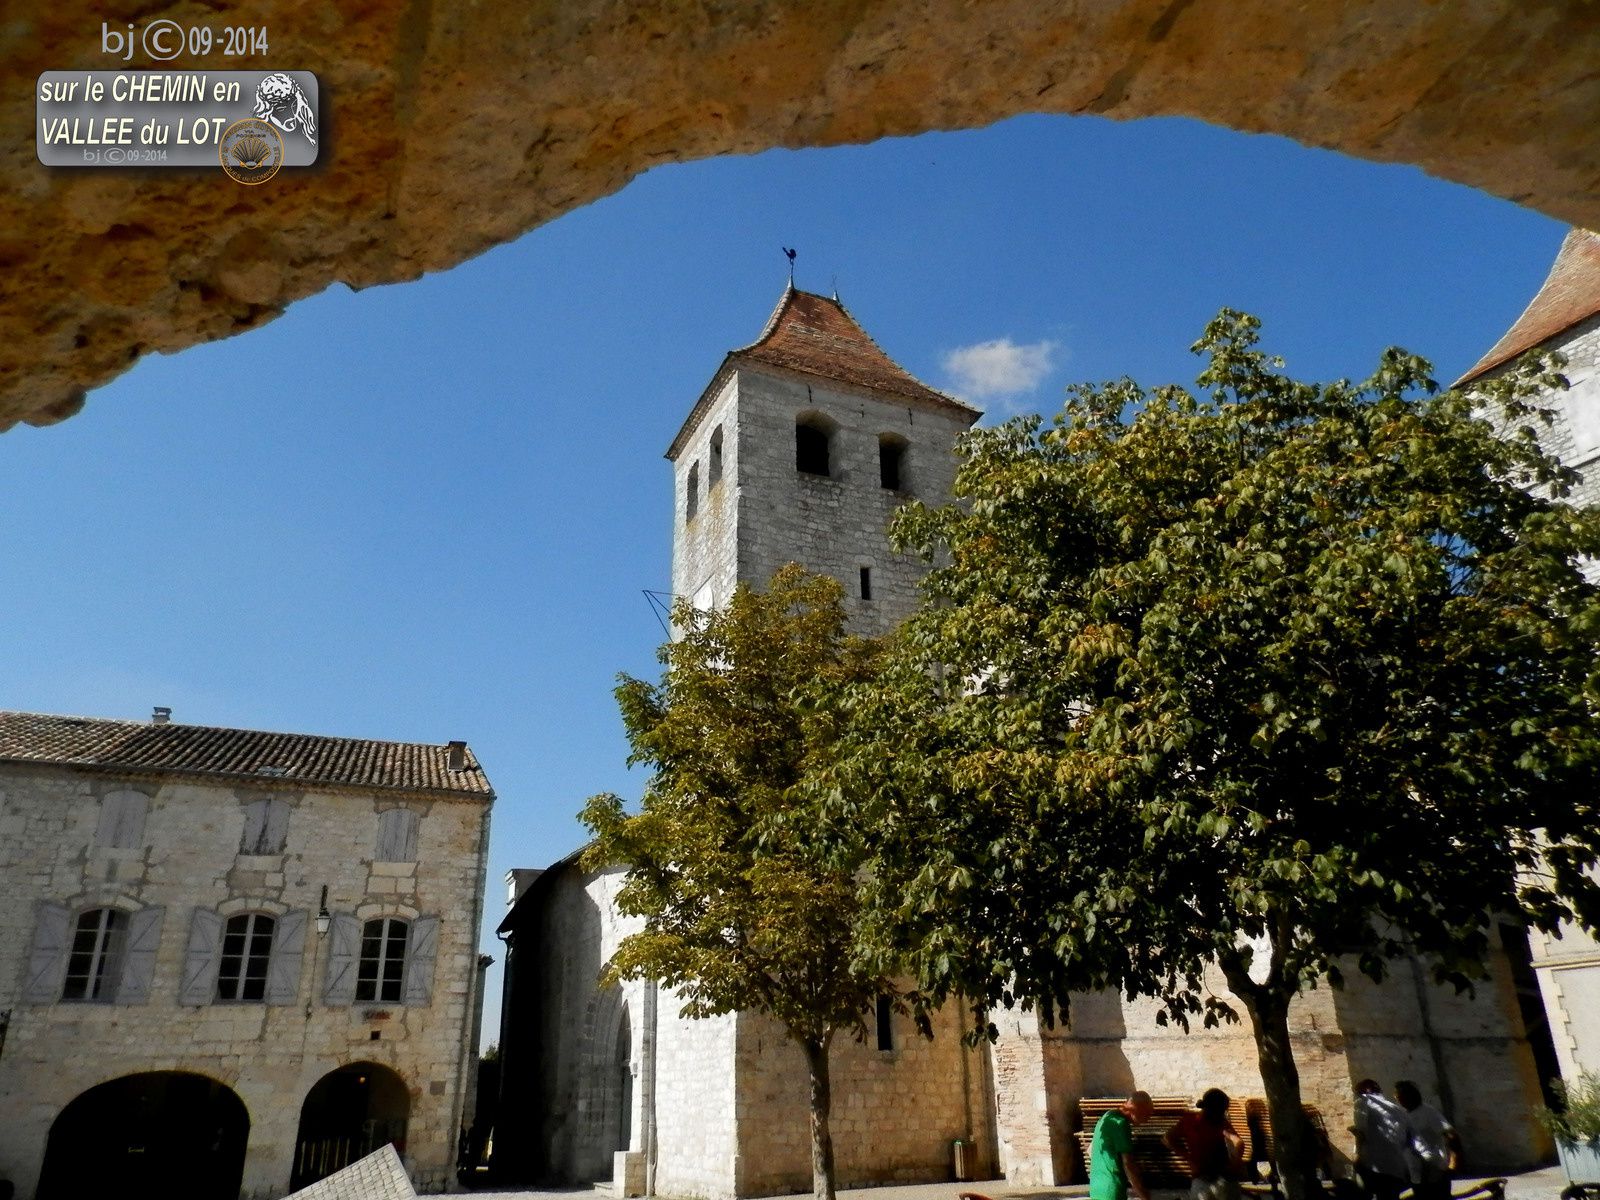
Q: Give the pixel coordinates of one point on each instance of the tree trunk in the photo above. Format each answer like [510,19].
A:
[816,1049]
[1294,1151]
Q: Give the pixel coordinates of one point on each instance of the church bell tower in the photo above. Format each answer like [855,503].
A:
[799,450]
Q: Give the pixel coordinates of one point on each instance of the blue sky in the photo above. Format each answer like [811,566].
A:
[430,511]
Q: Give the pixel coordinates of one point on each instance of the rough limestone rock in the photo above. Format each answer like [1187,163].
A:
[453,125]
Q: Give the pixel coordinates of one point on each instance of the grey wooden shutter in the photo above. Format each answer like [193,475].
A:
[122,820]
[47,959]
[420,954]
[397,835]
[266,823]
[283,968]
[277,832]
[344,945]
[139,955]
[198,983]
[253,839]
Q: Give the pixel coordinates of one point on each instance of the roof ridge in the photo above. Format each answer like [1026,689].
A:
[135,723]
[222,752]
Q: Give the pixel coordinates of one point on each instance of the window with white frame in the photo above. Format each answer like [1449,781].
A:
[246,956]
[94,965]
[381,959]
[104,954]
[243,957]
[380,972]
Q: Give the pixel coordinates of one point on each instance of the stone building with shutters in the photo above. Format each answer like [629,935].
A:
[799,449]
[230,958]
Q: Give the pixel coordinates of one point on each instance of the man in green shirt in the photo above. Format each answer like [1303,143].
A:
[1112,1172]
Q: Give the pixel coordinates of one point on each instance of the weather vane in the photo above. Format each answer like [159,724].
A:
[790,253]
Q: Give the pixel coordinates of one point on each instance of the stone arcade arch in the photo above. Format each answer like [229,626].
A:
[142,1136]
[441,143]
[604,1091]
[348,1113]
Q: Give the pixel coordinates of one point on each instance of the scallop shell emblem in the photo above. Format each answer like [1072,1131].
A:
[251,151]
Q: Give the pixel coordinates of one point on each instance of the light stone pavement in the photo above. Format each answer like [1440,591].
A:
[1543,1184]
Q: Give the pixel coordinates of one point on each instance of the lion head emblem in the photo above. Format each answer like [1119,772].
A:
[280,100]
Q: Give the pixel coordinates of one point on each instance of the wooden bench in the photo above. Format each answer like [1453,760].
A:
[1159,1166]
[1261,1173]
[1162,1167]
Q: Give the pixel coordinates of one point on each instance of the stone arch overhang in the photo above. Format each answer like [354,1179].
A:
[453,127]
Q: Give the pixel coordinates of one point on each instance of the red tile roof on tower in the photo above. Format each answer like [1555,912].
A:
[288,758]
[817,335]
[1570,293]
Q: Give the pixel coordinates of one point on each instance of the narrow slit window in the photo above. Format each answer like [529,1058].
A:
[691,503]
[885,1029]
[714,475]
[866,583]
[891,463]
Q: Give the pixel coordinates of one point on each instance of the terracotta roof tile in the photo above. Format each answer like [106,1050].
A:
[1569,294]
[817,335]
[296,758]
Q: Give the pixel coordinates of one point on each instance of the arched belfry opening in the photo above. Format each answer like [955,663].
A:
[348,1113]
[892,462]
[155,1134]
[813,445]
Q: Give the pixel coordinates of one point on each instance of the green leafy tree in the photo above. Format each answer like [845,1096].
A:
[744,909]
[1282,677]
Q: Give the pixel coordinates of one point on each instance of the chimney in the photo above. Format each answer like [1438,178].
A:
[161,716]
[519,880]
[458,756]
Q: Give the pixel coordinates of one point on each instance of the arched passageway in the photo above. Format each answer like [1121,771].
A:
[154,1135]
[622,1068]
[348,1113]
[441,142]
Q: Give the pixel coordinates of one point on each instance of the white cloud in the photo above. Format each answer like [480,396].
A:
[1001,369]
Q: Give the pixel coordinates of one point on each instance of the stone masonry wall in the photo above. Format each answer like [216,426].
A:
[270,1055]
[894,1112]
[587,1113]
[704,565]
[836,525]
[1467,1052]
[697,1145]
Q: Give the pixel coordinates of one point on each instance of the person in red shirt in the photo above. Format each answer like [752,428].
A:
[1211,1146]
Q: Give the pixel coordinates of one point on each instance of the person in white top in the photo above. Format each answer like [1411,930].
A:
[1383,1136]
[1434,1145]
